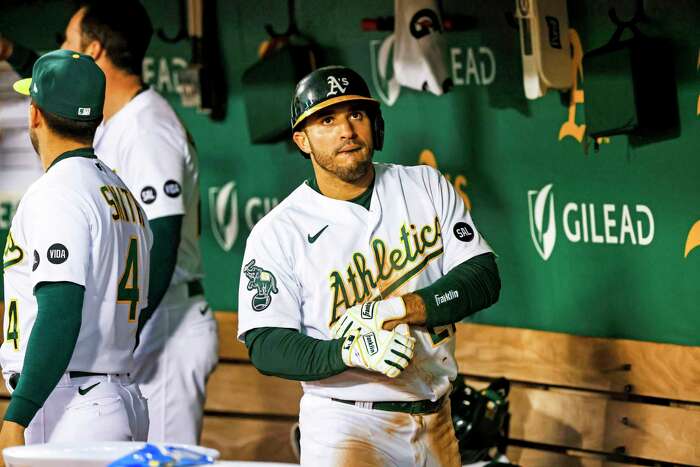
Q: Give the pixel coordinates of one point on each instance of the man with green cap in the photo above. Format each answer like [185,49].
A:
[142,139]
[76,268]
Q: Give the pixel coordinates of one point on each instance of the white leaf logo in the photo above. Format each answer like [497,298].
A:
[543,228]
[223,212]
[385,83]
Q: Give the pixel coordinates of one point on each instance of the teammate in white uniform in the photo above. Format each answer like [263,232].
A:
[142,139]
[398,240]
[76,274]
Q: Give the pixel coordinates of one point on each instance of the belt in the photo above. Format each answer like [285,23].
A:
[14,377]
[195,288]
[414,407]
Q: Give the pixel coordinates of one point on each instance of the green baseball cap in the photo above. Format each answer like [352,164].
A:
[66,83]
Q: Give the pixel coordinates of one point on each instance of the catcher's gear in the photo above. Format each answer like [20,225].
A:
[387,352]
[371,316]
[332,85]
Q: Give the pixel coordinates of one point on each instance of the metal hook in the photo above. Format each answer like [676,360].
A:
[182,32]
[639,16]
[291,27]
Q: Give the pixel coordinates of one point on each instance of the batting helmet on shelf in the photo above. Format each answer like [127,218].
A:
[332,85]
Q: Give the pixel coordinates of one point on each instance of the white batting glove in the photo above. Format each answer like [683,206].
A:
[386,352]
[371,316]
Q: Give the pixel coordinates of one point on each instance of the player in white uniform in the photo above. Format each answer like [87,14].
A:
[76,274]
[142,139]
[398,240]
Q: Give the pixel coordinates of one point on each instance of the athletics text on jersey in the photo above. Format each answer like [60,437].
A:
[416,230]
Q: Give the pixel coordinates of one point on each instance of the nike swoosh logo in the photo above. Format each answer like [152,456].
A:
[315,237]
[203,310]
[82,391]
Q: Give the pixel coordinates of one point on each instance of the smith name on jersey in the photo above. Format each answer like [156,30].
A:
[78,223]
[313,257]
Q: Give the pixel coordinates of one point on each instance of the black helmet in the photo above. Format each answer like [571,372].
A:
[331,85]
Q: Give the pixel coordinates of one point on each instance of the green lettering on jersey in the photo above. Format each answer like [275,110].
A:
[441,333]
[13,325]
[122,204]
[12,254]
[128,289]
[392,268]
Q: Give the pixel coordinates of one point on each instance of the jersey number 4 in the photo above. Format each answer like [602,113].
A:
[128,289]
[13,325]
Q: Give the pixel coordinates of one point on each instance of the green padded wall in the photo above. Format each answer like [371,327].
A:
[611,260]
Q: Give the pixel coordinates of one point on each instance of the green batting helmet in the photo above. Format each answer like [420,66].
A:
[332,85]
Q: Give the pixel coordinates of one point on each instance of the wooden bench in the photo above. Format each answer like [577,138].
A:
[575,401]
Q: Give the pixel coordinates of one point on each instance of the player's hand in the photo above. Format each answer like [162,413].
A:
[11,434]
[386,352]
[416,313]
[371,316]
[6,47]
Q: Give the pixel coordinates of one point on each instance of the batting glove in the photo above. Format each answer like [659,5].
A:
[371,316]
[386,352]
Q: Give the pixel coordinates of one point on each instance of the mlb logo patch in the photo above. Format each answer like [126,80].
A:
[84,111]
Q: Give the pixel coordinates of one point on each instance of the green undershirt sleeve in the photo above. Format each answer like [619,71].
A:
[469,287]
[22,60]
[288,354]
[166,240]
[50,347]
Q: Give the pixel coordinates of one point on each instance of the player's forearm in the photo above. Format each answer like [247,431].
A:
[49,349]
[288,354]
[166,240]
[22,60]
[469,287]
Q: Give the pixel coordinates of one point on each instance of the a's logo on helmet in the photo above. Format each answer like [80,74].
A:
[336,85]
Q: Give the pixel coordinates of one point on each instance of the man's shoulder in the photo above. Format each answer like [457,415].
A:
[406,173]
[149,115]
[58,187]
[282,217]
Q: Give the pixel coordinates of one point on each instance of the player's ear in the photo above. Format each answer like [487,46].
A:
[35,117]
[95,50]
[302,141]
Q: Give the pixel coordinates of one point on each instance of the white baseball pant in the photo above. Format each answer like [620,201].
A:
[90,408]
[341,435]
[178,350]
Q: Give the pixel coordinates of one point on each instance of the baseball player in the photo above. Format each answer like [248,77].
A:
[76,274]
[353,284]
[143,141]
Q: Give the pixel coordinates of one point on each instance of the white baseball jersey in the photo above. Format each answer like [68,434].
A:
[78,223]
[312,257]
[419,48]
[150,150]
